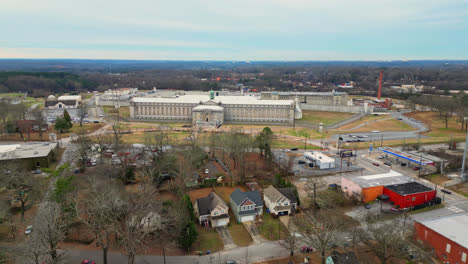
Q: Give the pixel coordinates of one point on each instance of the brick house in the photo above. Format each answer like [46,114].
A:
[447,236]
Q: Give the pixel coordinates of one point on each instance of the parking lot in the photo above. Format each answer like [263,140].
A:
[52,114]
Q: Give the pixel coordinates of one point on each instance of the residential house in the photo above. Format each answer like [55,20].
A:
[211,211]
[246,205]
[280,201]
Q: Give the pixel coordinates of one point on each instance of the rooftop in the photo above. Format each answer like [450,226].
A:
[383,179]
[227,100]
[308,93]
[408,188]
[408,156]
[239,197]
[208,107]
[25,151]
[316,155]
[453,227]
[70,97]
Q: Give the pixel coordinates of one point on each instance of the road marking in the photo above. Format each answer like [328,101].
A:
[455,209]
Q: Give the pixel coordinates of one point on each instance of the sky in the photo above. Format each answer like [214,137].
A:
[239,30]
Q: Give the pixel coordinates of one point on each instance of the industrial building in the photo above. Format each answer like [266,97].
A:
[64,101]
[319,160]
[28,156]
[410,194]
[210,109]
[446,235]
[315,98]
[368,188]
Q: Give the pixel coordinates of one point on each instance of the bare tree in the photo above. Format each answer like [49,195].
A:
[83,150]
[49,231]
[101,209]
[82,112]
[320,231]
[40,119]
[292,239]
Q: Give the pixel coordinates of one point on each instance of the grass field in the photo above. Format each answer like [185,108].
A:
[123,111]
[299,132]
[317,117]
[208,239]
[437,178]
[175,138]
[271,228]
[437,127]
[240,235]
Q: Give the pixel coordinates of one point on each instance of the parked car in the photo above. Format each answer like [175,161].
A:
[301,162]
[231,262]
[364,136]
[387,163]
[376,164]
[375,131]
[87,262]
[95,121]
[446,191]
[294,149]
[28,230]
[381,157]
[403,164]
[393,209]
[307,249]
[101,115]
[367,206]
[207,171]
[36,172]
[416,168]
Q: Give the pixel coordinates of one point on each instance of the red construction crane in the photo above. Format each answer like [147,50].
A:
[380,85]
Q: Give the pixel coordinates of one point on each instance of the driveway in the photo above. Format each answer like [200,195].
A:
[226,237]
[253,231]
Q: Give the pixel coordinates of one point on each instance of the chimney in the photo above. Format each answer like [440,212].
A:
[380,86]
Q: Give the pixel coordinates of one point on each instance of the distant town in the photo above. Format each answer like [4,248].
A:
[262,163]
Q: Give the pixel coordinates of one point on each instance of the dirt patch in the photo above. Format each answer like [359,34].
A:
[461,188]
[223,192]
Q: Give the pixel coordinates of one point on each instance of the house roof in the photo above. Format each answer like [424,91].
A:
[453,227]
[272,193]
[207,204]
[408,188]
[289,193]
[239,197]
[54,102]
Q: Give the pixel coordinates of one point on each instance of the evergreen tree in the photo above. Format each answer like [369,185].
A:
[67,117]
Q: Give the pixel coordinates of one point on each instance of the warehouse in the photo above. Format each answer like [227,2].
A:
[368,188]
[410,194]
[28,156]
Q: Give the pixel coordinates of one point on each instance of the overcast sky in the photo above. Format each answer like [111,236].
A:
[234,29]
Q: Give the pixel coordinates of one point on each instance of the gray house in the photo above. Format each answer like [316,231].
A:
[246,205]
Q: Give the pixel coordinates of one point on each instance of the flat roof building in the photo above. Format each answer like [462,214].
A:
[368,188]
[320,160]
[29,155]
[410,194]
[446,235]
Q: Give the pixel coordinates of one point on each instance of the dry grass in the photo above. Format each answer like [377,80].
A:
[240,235]
[436,125]
[317,117]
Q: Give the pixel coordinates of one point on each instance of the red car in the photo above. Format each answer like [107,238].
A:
[87,262]
[376,164]
[306,249]
[416,168]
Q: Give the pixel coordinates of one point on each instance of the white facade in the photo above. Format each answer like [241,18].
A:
[236,109]
[122,91]
[70,97]
[320,160]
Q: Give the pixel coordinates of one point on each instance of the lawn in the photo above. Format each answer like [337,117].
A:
[436,125]
[271,228]
[300,132]
[123,111]
[208,239]
[240,235]
[370,123]
[175,138]
[437,179]
[461,188]
[317,117]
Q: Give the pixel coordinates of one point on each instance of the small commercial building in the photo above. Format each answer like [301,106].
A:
[28,156]
[319,160]
[410,194]
[368,188]
[447,236]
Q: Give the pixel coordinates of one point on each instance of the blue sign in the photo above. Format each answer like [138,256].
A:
[370,147]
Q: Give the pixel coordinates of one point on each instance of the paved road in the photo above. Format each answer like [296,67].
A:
[265,251]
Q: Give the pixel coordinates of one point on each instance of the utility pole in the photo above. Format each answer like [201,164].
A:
[420,166]
[464,155]
[381,141]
